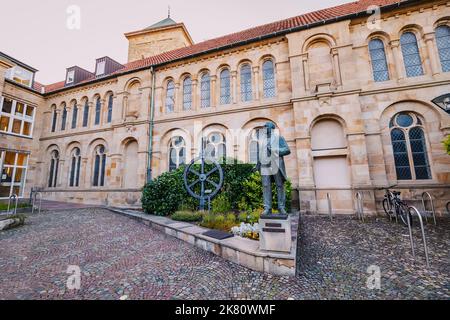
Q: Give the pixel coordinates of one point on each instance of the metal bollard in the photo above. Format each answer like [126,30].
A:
[330,210]
[34,202]
[16,200]
[433,211]
[414,210]
[360,206]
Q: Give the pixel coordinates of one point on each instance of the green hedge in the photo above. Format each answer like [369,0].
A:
[242,191]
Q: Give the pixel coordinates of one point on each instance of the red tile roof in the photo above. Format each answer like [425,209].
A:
[255,33]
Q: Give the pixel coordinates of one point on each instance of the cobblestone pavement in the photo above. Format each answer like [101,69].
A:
[119,256]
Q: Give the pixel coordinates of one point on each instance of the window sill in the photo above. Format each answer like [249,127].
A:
[16,135]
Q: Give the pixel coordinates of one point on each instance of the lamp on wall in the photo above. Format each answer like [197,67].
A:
[443,102]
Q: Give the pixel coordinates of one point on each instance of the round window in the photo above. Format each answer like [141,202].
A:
[404,120]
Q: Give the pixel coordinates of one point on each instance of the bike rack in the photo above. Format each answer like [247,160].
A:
[433,211]
[330,208]
[34,202]
[414,210]
[359,206]
[16,200]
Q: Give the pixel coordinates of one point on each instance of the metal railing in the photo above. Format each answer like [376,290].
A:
[34,202]
[433,211]
[16,200]
[412,210]
[359,206]
[330,208]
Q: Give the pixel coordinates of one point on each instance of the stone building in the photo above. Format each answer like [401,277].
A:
[350,89]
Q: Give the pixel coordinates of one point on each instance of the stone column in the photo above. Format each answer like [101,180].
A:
[91,115]
[306,72]
[256,93]
[62,172]
[432,54]
[84,173]
[395,47]
[336,66]
[195,104]
[178,105]
[234,86]
[213,91]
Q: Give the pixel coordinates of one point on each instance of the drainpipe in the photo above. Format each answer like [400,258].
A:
[152,116]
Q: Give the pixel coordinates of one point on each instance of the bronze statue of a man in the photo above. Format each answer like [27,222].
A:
[272,148]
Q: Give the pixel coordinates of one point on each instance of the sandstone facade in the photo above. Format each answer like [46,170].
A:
[336,118]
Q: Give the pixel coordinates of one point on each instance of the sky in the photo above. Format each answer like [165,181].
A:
[46,35]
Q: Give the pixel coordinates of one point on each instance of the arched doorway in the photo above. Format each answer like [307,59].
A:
[130,165]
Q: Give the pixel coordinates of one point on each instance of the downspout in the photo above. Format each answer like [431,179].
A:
[152,116]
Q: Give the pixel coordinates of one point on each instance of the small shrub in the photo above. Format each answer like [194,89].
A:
[187,216]
[243,217]
[221,204]
[447,144]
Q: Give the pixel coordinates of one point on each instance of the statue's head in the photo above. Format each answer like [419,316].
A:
[270,126]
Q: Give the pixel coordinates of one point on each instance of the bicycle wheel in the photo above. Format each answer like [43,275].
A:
[387,208]
[403,212]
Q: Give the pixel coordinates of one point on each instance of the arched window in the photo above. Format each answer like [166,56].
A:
[64,119]
[268,79]
[411,55]
[54,119]
[99,166]
[205,90]
[170,97]
[187,93]
[246,83]
[53,172]
[225,87]
[177,153]
[74,115]
[86,114]
[443,44]
[215,146]
[98,110]
[75,165]
[110,107]
[409,146]
[253,146]
[379,62]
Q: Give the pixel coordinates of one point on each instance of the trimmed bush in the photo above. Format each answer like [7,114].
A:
[221,204]
[187,216]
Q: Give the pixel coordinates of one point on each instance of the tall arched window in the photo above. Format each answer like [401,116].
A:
[253,145]
[75,165]
[86,114]
[215,146]
[98,111]
[74,115]
[53,171]
[409,146]
[170,97]
[110,108]
[54,119]
[443,44]
[268,79]
[64,119]
[205,90]
[246,83]
[177,153]
[379,62]
[225,87]
[187,93]
[411,55]
[99,166]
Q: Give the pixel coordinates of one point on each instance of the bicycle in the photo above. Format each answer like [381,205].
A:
[394,207]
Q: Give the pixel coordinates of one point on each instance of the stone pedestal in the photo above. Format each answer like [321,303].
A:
[275,233]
